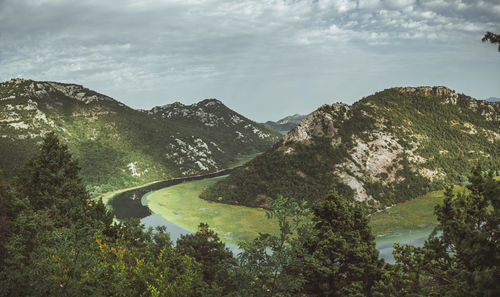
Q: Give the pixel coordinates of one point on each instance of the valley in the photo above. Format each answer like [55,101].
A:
[118,146]
[180,209]
[160,148]
[219,186]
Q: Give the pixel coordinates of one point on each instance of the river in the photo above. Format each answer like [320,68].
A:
[132,204]
[128,204]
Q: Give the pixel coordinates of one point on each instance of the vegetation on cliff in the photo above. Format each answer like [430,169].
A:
[118,146]
[388,147]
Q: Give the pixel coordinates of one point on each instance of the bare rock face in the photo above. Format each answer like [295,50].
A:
[35,89]
[321,123]
[426,91]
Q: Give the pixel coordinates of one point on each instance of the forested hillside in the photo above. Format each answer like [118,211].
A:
[54,241]
[116,145]
[386,148]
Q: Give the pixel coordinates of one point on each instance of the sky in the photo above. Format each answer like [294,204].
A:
[265,59]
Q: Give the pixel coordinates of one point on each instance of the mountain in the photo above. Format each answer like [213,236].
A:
[286,124]
[230,132]
[386,148]
[493,99]
[118,146]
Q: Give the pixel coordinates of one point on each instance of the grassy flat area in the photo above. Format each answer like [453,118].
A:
[182,206]
[416,215]
[106,197]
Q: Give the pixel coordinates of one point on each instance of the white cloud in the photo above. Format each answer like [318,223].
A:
[217,48]
[340,6]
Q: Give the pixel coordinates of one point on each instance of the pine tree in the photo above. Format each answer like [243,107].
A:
[207,249]
[50,209]
[469,244]
[344,258]
[50,180]
[462,256]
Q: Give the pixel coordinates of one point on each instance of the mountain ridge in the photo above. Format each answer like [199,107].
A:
[118,146]
[388,147]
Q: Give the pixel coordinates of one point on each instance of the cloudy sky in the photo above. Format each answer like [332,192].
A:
[265,59]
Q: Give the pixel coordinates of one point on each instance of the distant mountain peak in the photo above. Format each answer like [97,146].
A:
[213,113]
[177,105]
[296,118]
[287,123]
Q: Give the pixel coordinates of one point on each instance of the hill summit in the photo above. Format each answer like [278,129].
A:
[118,146]
[385,148]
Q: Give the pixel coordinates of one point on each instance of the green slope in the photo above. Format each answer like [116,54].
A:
[387,148]
[118,146]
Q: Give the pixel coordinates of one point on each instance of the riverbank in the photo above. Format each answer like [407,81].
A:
[408,217]
[181,205]
[107,197]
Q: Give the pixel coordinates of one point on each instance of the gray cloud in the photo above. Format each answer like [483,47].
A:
[289,56]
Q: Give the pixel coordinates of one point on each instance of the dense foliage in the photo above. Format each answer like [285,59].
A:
[344,260]
[306,175]
[462,256]
[216,260]
[57,242]
[433,136]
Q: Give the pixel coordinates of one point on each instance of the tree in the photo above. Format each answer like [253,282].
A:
[469,245]
[462,256]
[206,248]
[344,260]
[50,209]
[272,265]
[5,199]
[50,180]
[492,38]
[60,243]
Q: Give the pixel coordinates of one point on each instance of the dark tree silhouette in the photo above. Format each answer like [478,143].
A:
[493,38]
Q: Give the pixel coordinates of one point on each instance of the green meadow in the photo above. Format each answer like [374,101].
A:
[182,206]
[410,219]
